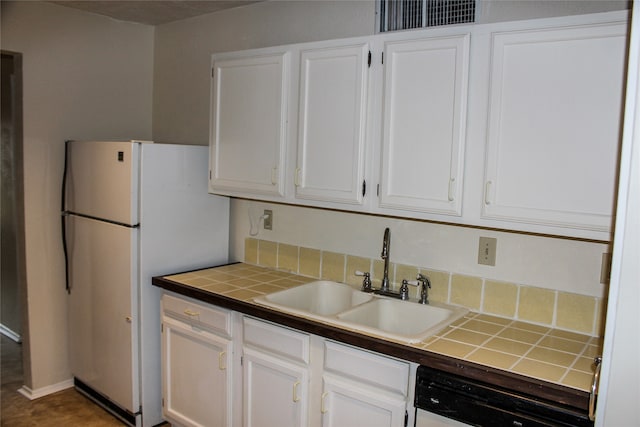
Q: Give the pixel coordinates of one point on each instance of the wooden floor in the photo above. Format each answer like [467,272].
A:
[65,408]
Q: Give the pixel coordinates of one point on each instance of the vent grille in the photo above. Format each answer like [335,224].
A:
[405,14]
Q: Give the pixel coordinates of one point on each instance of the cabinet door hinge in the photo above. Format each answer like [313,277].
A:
[161,328]
[241,360]
[369,60]
[382,58]
[212,72]
[364,187]
[378,190]
[163,402]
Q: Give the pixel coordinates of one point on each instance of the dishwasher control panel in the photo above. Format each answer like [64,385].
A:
[476,403]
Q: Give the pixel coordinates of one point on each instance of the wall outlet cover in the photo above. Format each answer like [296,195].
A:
[268,219]
[487,251]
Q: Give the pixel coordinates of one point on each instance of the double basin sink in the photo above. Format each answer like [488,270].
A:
[344,306]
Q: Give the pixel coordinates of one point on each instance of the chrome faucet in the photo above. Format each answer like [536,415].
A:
[386,248]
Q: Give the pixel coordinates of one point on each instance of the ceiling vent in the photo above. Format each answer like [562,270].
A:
[405,14]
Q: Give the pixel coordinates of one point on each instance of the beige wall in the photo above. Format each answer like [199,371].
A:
[507,10]
[84,77]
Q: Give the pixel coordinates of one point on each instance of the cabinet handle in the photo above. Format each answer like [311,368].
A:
[296,178]
[296,398]
[221,365]
[274,175]
[323,409]
[487,187]
[191,313]
[451,188]
[594,388]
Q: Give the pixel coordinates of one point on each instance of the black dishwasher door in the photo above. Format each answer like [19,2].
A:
[479,404]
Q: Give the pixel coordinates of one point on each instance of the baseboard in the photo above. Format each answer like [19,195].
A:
[43,391]
[10,334]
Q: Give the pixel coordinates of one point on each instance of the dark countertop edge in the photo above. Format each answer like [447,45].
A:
[555,393]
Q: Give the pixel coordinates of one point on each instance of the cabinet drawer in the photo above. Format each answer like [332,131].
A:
[277,339]
[367,367]
[216,319]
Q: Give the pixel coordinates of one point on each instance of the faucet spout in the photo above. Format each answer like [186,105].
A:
[386,249]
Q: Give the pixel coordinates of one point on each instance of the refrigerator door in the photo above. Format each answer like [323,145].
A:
[101,328]
[102,180]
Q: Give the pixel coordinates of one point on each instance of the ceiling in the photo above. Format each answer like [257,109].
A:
[152,12]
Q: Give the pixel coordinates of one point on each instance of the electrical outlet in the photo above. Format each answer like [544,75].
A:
[487,251]
[268,219]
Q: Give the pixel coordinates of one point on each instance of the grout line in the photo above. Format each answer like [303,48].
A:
[533,345]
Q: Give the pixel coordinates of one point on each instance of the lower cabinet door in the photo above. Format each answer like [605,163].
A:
[196,375]
[275,391]
[355,404]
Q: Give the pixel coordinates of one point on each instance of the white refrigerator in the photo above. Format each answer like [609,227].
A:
[131,210]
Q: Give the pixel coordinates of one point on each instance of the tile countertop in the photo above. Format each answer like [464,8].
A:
[554,357]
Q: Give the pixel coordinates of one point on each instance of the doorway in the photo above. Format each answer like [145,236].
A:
[12,271]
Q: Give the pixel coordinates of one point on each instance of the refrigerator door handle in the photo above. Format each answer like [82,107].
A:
[64,217]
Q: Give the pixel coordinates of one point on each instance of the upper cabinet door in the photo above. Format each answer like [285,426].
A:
[425,105]
[248,123]
[331,123]
[554,123]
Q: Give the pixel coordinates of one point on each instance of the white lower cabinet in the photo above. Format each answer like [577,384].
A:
[287,377]
[275,375]
[196,364]
[274,392]
[351,403]
[361,388]
[289,381]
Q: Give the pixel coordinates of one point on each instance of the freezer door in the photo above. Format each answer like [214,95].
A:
[101,303]
[102,180]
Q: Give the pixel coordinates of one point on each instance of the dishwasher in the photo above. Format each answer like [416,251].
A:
[445,399]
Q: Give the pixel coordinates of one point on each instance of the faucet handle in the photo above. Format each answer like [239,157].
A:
[404,290]
[366,281]
[424,293]
[424,280]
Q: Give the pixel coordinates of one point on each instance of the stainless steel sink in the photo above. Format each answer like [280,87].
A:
[347,307]
[401,320]
[321,298]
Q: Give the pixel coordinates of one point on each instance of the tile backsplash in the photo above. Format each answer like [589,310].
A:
[557,309]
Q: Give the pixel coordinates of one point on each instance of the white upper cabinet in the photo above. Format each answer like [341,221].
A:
[510,125]
[331,123]
[554,124]
[248,123]
[424,109]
